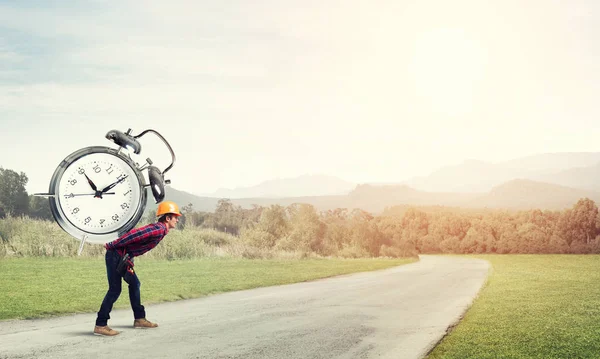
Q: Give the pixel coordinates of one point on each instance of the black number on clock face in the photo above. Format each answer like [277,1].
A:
[102,221]
[73,181]
[109,170]
[75,210]
[115,217]
[81,171]
[124,206]
[97,169]
[88,220]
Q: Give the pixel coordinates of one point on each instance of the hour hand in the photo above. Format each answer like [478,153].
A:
[90,182]
[113,184]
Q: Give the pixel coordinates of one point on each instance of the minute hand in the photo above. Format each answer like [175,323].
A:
[113,184]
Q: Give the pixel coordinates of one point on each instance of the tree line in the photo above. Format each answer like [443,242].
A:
[398,231]
[406,231]
[14,199]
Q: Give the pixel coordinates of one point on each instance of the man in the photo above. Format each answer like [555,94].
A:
[135,243]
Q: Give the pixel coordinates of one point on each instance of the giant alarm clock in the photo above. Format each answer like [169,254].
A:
[98,193]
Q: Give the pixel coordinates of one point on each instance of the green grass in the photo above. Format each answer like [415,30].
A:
[533,306]
[41,287]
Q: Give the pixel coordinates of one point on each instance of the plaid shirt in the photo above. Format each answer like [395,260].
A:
[139,240]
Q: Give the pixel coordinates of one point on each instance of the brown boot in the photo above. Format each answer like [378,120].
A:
[143,323]
[105,330]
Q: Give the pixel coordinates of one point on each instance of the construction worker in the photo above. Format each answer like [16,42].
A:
[134,243]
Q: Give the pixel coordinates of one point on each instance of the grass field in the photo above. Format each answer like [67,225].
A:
[40,287]
[533,306]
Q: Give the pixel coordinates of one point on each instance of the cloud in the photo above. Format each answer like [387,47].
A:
[315,82]
[149,54]
[8,56]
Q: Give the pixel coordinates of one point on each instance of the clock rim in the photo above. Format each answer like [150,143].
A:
[76,231]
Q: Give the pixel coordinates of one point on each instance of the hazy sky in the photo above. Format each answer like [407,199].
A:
[247,91]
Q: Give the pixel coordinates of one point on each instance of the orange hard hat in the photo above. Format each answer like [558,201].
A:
[167,207]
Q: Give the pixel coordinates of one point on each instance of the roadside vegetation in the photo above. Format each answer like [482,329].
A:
[300,231]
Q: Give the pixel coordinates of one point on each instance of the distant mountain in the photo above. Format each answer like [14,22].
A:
[528,194]
[520,194]
[376,198]
[306,185]
[545,181]
[469,176]
[578,170]
[579,177]
[551,162]
[182,198]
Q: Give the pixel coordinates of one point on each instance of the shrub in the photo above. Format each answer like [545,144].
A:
[398,252]
[258,238]
[353,251]
[26,237]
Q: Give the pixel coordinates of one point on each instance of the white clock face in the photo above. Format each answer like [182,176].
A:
[99,193]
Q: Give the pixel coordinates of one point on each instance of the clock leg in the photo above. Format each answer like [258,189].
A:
[81,244]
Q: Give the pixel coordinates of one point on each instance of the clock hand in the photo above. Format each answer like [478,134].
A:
[113,184]
[85,194]
[90,182]
[98,194]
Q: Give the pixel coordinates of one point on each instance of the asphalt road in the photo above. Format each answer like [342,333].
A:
[400,312]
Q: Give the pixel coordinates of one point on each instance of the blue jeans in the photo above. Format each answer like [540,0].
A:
[114,291]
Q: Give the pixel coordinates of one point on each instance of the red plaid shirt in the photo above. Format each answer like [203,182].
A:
[139,240]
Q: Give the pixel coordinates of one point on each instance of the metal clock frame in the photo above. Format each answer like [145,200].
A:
[59,214]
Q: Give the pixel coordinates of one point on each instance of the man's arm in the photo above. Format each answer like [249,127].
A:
[133,236]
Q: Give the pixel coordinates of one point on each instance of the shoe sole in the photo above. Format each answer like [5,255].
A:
[106,335]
